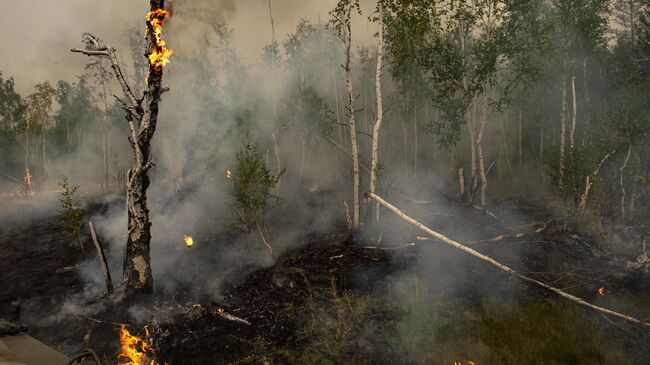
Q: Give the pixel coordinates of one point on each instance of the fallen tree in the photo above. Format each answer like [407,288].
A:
[501,266]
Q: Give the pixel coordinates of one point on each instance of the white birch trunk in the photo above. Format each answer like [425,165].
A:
[520,142]
[563,134]
[472,147]
[481,156]
[347,39]
[574,119]
[622,181]
[380,109]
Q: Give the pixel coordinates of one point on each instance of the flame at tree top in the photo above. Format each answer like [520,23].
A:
[135,349]
[159,55]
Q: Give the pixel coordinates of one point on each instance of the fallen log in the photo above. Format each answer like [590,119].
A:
[501,266]
[402,246]
[102,259]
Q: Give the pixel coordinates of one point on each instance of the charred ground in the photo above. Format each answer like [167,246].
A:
[331,299]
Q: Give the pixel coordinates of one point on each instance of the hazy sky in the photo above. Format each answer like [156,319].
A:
[36,35]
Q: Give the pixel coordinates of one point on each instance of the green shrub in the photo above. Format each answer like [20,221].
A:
[253,183]
[70,215]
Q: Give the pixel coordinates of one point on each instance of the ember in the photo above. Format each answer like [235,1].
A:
[601,291]
[228,174]
[189,241]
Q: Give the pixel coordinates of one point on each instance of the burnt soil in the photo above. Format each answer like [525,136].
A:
[261,310]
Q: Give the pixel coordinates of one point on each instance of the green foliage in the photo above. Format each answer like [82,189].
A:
[77,111]
[544,333]
[71,216]
[459,48]
[356,329]
[252,185]
[13,110]
[341,333]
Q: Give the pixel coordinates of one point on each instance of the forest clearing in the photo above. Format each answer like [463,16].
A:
[326,182]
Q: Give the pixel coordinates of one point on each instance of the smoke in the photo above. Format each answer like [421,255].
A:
[217,98]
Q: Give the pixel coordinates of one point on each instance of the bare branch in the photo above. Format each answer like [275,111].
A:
[97,48]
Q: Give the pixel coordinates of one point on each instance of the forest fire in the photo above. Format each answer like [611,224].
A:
[135,349]
[452,182]
[189,241]
[28,182]
[159,56]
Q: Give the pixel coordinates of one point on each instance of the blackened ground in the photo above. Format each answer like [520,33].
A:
[329,294]
[37,261]
[274,301]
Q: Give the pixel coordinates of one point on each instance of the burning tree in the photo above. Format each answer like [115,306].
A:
[142,116]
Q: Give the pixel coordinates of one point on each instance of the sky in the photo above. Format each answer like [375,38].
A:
[36,35]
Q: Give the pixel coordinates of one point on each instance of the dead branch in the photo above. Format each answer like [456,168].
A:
[99,321]
[402,246]
[102,259]
[96,47]
[264,240]
[545,226]
[347,153]
[589,182]
[348,219]
[232,318]
[497,238]
[501,266]
[486,211]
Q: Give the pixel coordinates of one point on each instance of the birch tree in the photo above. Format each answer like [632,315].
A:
[142,117]
[374,164]
[342,21]
[39,117]
[461,48]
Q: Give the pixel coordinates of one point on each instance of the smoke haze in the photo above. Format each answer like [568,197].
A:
[36,35]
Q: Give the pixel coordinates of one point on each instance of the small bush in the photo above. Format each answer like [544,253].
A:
[71,216]
[253,183]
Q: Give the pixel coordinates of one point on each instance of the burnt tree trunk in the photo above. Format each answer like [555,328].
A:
[142,116]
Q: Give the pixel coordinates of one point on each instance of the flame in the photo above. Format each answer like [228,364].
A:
[219,311]
[135,349]
[601,291]
[468,363]
[159,55]
[189,241]
[27,179]
[228,174]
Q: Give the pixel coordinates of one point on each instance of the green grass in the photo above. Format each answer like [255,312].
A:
[360,330]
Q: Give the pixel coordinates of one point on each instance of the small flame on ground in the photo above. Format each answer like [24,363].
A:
[159,56]
[135,349]
[601,291]
[189,241]
[468,363]
[219,311]
[228,174]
